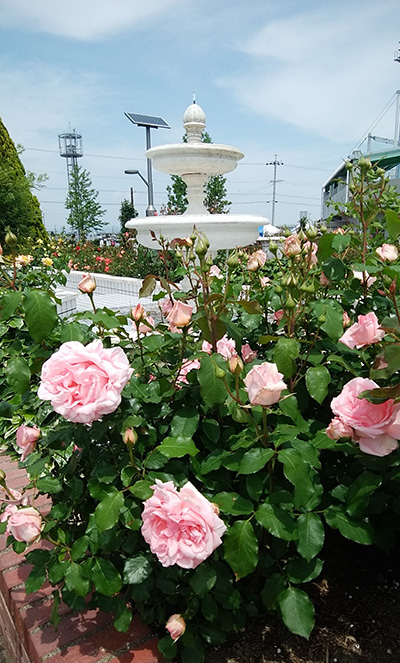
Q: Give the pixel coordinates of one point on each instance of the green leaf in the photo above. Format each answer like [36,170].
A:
[35,579]
[178,446]
[123,618]
[18,374]
[185,422]
[137,569]
[213,390]
[359,531]
[317,380]
[107,512]
[297,611]
[392,224]
[333,312]
[299,570]
[241,548]
[142,489]
[359,492]
[76,581]
[214,461]
[341,242]
[285,352]
[8,303]
[79,548]
[391,353]
[71,331]
[334,269]
[251,307]
[254,460]
[203,579]
[49,485]
[274,586]
[105,576]
[148,285]
[325,248]
[297,471]
[311,535]
[233,503]
[40,314]
[277,521]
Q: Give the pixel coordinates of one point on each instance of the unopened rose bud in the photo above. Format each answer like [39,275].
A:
[364,164]
[138,313]
[278,289]
[323,229]
[87,285]
[11,239]
[301,235]
[189,241]
[322,318]
[235,365]
[176,626]
[380,172]
[130,436]
[233,260]
[289,304]
[292,281]
[219,372]
[348,165]
[311,233]
[202,245]
[2,475]
[273,247]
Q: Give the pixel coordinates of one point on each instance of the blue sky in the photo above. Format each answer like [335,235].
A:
[301,79]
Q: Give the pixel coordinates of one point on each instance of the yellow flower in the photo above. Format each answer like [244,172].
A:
[47,261]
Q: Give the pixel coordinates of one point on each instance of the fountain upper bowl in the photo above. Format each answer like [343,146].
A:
[187,159]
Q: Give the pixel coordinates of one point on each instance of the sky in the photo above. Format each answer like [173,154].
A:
[305,80]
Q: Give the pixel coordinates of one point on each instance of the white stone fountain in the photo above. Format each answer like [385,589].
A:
[195,162]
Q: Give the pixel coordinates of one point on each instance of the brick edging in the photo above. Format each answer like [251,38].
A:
[82,637]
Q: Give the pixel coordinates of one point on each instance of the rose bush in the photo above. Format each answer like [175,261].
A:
[193,469]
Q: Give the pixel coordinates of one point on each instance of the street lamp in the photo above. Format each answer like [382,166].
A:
[149,122]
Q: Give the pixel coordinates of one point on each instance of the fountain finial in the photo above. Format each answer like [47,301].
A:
[194,122]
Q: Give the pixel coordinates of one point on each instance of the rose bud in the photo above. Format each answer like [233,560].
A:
[235,365]
[130,436]
[248,354]
[25,524]
[11,239]
[176,626]
[292,246]
[137,313]
[87,284]
[338,429]
[26,439]
[264,384]
[180,314]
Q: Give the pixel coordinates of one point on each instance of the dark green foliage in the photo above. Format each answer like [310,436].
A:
[85,212]
[127,211]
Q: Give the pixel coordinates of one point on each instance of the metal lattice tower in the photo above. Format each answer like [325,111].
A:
[70,146]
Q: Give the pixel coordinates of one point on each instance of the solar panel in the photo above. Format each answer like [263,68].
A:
[147,121]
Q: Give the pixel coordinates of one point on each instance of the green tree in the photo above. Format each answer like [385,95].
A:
[19,209]
[214,193]
[84,211]
[127,211]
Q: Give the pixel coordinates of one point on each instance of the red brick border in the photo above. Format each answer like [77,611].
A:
[82,637]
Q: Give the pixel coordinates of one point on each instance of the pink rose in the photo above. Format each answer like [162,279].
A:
[87,284]
[138,313]
[180,315]
[278,315]
[180,527]
[338,429]
[176,626]
[10,495]
[310,249]
[24,524]
[364,276]
[324,281]
[8,511]
[186,367]
[387,252]
[147,325]
[84,383]
[363,332]
[264,384]
[26,439]
[248,354]
[165,305]
[376,427]
[264,281]
[256,260]
[292,246]
[346,319]
[225,347]
[215,272]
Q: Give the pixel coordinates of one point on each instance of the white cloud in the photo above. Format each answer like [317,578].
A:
[89,20]
[328,72]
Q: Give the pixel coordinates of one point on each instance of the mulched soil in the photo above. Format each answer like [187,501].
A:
[357,607]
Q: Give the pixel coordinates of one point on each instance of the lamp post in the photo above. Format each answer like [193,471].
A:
[149,122]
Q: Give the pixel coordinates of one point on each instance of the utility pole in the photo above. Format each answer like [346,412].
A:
[275,163]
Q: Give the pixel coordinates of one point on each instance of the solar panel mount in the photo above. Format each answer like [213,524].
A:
[147,121]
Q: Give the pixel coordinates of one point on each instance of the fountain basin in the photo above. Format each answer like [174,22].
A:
[187,159]
[224,231]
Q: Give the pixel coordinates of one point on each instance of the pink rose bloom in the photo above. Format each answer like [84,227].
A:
[248,354]
[10,495]
[256,260]
[278,315]
[165,305]
[292,246]
[8,511]
[264,281]
[180,315]
[87,284]
[215,272]
[24,524]
[387,252]
[147,325]
[324,281]
[26,439]
[225,347]
[138,313]
[180,527]
[186,367]
[83,383]
[376,427]
[176,626]
[361,276]
[310,250]
[338,429]
[363,332]
[264,384]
